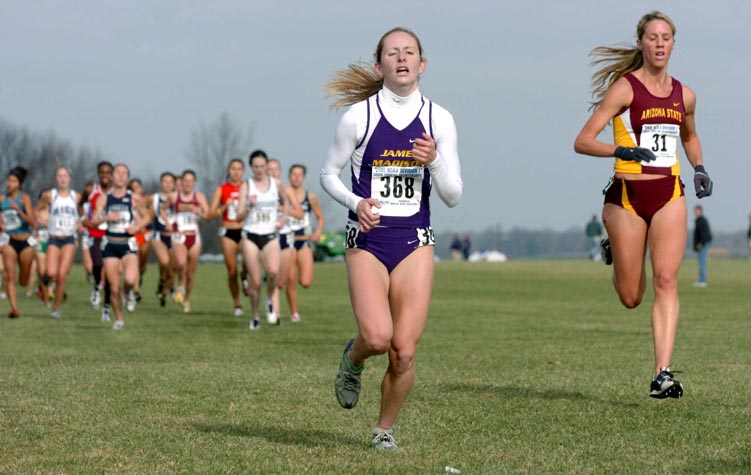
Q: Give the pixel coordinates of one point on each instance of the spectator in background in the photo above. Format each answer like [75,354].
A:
[456,247]
[594,234]
[702,238]
[466,247]
[748,235]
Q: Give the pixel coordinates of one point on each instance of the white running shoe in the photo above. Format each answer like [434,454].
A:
[105,313]
[95,297]
[255,324]
[118,325]
[238,312]
[3,295]
[271,316]
[295,318]
[130,302]
[56,314]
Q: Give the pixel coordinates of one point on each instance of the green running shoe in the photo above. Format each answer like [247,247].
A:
[347,381]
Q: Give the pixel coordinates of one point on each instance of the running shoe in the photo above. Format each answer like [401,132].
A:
[347,382]
[255,324]
[605,252]
[3,295]
[14,314]
[383,440]
[664,386]
[186,307]
[56,314]
[179,295]
[271,317]
[295,318]
[96,297]
[238,312]
[118,325]
[130,302]
[106,312]
[162,300]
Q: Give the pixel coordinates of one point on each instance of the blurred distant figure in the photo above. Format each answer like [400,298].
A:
[466,247]
[702,238]
[594,234]
[748,235]
[456,248]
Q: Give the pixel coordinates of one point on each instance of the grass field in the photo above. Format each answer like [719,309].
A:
[524,367]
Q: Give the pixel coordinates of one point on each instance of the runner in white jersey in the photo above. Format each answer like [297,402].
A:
[305,236]
[260,236]
[399,145]
[63,224]
[286,236]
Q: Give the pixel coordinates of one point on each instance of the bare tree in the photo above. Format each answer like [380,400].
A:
[213,146]
[210,149]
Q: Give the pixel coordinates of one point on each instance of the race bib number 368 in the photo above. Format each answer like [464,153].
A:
[399,189]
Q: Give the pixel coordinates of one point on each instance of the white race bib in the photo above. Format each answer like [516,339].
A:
[662,140]
[399,189]
[11,219]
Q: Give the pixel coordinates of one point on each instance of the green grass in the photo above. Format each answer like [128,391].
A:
[523,367]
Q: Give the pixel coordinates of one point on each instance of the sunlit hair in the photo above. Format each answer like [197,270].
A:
[360,81]
[617,61]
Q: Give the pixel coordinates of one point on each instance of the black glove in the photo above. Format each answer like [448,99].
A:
[636,154]
[702,182]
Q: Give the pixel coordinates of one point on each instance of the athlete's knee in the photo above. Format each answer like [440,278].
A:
[630,298]
[306,283]
[53,276]
[377,343]
[665,282]
[402,357]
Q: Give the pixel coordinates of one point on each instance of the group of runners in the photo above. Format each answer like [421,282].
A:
[265,224]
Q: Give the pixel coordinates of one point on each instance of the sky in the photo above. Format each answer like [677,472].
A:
[136,78]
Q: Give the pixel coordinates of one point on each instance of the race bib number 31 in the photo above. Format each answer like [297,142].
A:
[662,140]
[399,189]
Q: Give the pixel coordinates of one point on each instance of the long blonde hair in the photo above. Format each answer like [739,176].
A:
[360,81]
[617,61]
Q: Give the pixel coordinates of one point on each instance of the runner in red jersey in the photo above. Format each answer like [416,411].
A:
[225,203]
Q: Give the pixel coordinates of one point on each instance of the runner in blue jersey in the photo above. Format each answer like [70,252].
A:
[399,145]
[119,247]
[16,222]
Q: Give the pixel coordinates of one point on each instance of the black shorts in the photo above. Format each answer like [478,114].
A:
[232,234]
[61,241]
[260,240]
[18,244]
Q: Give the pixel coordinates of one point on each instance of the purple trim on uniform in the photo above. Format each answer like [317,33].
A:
[430,118]
[387,143]
[367,126]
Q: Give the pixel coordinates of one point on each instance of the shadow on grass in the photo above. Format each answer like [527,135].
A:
[280,435]
[494,390]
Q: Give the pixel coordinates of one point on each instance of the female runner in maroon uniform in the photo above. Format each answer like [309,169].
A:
[644,204]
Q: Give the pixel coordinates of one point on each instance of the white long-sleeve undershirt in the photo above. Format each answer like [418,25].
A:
[445,171]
